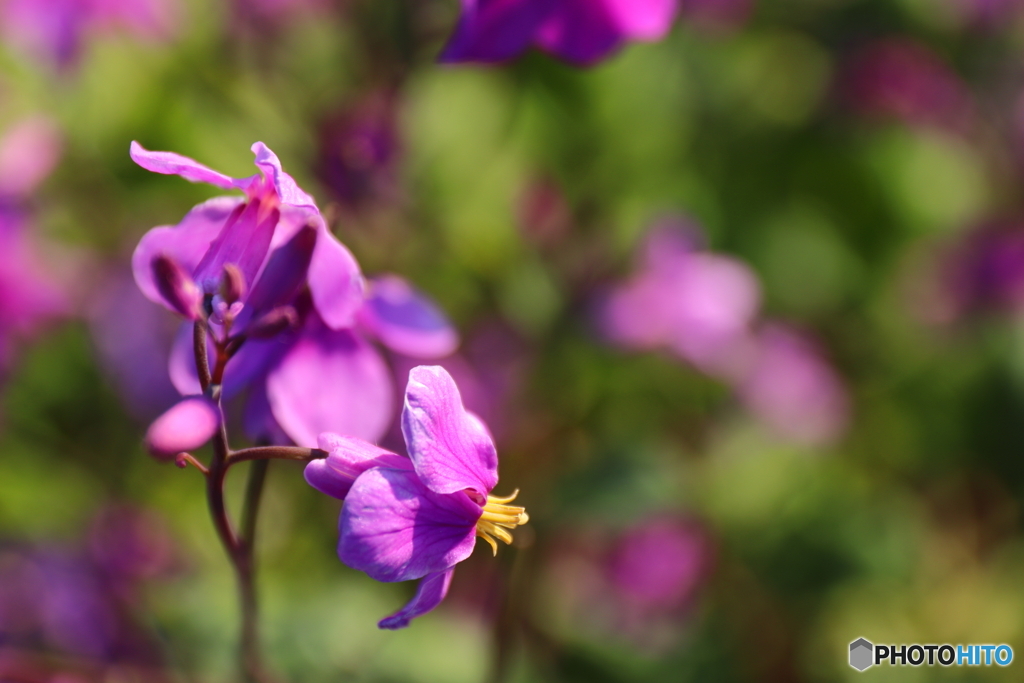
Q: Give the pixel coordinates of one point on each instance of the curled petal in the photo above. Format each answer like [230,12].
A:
[450,447]
[178,289]
[334,280]
[170,163]
[405,320]
[284,273]
[187,425]
[347,458]
[287,189]
[330,380]
[429,594]
[395,529]
[186,242]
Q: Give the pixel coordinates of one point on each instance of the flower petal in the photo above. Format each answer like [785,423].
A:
[330,380]
[284,272]
[642,19]
[495,30]
[187,242]
[287,189]
[170,163]
[406,320]
[244,241]
[580,31]
[395,529]
[257,420]
[186,425]
[334,280]
[450,448]
[347,458]
[429,594]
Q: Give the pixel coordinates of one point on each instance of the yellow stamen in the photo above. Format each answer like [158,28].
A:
[497,517]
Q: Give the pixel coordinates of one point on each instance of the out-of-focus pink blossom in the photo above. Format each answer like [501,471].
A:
[699,304]
[55,30]
[29,151]
[903,79]
[793,389]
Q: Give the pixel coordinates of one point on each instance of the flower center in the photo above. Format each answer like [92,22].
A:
[498,517]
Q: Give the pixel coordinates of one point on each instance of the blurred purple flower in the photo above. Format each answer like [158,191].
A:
[359,153]
[793,389]
[698,304]
[187,425]
[417,517]
[579,31]
[904,79]
[656,566]
[29,290]
[983,271]
[133,338]
[54,30]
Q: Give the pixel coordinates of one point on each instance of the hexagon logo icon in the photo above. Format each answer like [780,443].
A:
[861,654]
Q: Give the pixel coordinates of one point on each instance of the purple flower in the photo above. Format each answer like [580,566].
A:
[55,30]
[698,304]
[417,517]
[187,425]
[579,31]
[793,388]
[902,79]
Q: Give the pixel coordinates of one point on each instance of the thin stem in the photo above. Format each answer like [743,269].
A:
[201,353]
[276,453]
[246,568]
[183,460]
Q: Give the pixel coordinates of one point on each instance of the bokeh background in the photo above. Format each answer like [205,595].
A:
[743,308]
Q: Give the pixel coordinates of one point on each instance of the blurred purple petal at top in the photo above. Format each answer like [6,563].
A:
[903,79]
[793,389]
[986,15]
[29,151]
[579,31]
[984,270]
[699,304]
[133,339]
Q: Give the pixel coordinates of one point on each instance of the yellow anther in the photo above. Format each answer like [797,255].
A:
[498,517]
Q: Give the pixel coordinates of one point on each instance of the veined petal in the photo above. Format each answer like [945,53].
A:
[406,320]
[187,243]
[495,30]
[334,280]
[244,241]
[450,447]
[170,163]
[396,529]
[287,189]
[330,380]
[429,594]
[347,458]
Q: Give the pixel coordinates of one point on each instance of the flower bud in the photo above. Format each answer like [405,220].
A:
[177,287]
[232,284]
[187,425]
[274,322]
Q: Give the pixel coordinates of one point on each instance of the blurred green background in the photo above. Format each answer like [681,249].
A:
[514,195]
